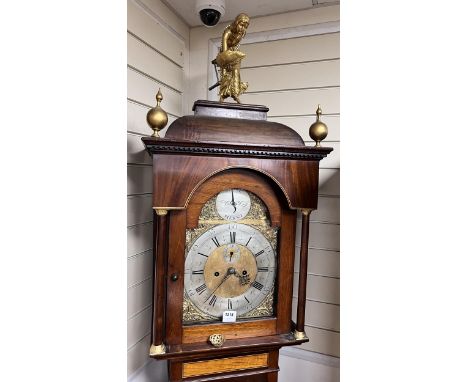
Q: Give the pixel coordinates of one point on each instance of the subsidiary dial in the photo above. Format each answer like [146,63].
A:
[233,204]
[231,253]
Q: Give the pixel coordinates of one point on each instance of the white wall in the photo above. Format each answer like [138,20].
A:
[157,45]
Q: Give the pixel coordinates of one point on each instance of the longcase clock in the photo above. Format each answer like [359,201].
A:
[227,186]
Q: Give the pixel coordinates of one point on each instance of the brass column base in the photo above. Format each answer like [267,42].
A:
[156,350]
[300,335]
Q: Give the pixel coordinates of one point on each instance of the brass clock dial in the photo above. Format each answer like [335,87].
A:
[230,265]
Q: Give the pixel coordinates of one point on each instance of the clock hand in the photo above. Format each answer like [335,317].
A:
[229,272]
[233,203]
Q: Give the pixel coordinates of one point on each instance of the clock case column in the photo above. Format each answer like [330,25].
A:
[220,139]
[160,223]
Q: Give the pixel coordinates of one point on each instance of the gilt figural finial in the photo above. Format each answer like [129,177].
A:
[229,59]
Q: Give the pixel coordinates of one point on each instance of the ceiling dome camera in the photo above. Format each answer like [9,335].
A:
[210,11]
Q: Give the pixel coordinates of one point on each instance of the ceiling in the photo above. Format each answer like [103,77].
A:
[254,8]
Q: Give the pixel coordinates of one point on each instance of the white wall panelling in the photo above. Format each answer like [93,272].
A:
[143,89]
[138,327]
[149,29]
[280,72]
[328,210]
[321,262]
[139,209]
[139,238]
[300,365]
[317,358]
[138,298]
[320,288]
[146,60]
[322,341]
[322,74]
[157,43]
[139,179]
[303,100]
[315,47]
[151,371]
[321,315]
[139,266]
[166,17]
[322,236]
[329,182]
[137,355]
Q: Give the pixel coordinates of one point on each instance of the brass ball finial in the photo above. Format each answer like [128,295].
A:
[157,117]
[318,131]
[159,97]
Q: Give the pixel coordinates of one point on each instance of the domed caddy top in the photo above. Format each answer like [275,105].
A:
[232,123]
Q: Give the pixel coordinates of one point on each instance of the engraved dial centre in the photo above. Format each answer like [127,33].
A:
[240,270]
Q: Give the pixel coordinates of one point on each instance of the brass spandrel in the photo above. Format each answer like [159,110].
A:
[191,312]
[265,309]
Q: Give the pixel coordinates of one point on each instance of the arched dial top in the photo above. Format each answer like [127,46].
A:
[230,259]
[218,185]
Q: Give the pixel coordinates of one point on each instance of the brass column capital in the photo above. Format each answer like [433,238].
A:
[161,212]
[306,211]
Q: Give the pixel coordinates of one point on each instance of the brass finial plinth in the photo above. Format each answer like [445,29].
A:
[318,131]
[300,335]
[157,117]
[157,350]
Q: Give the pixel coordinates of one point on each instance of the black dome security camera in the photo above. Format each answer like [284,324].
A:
[210,11]
[210,17]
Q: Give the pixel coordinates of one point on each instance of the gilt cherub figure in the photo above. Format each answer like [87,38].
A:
[229,59]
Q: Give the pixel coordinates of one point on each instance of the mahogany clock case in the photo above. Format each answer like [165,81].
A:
[219,149]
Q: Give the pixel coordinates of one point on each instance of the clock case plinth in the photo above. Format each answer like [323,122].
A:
[231,146]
